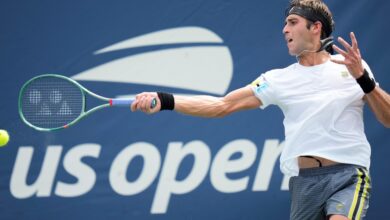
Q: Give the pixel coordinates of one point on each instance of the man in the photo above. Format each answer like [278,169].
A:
[321,96]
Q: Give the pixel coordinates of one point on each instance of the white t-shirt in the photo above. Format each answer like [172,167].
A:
[323,110]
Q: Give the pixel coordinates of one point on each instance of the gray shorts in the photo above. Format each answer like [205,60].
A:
[341,189]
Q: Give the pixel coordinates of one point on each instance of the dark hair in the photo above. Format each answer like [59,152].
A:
[317,8]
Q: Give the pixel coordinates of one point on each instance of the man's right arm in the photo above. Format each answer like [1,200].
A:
[202,106]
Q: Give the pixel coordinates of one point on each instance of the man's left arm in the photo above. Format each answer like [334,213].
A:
[379,102]
[377,98]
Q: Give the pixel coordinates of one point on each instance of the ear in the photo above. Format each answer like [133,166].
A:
[316,27]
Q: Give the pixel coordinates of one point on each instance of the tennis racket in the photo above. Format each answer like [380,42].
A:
[51,102]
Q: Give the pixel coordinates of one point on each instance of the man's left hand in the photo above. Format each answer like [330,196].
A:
[352,58]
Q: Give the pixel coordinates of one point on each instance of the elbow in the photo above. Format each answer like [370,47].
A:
[222,113]
[386,124]
[386,121]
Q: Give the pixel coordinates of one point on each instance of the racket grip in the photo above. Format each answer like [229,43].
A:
[128,102]
[121,102]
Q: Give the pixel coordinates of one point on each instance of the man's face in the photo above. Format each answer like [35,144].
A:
[296,34]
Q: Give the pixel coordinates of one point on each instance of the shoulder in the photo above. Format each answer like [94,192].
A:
[281,74]
[273,76]
[280,71]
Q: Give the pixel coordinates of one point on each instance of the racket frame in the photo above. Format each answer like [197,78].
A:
[83,90]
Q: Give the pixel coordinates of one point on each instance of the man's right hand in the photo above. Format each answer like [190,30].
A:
[143,103]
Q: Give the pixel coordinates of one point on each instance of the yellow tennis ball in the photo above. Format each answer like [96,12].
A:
[4,138]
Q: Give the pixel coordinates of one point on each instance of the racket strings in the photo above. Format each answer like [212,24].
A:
[51,102]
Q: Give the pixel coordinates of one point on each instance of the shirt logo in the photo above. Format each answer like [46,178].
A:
[261,84]
[344,74]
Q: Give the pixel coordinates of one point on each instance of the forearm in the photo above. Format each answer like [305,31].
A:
[379,102]
[209,106]
[202,106]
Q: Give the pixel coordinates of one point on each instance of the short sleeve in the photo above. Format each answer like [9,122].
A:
[263,90]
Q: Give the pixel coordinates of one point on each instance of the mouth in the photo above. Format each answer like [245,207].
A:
[288,41]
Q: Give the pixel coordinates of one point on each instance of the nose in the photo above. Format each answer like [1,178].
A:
[285,29]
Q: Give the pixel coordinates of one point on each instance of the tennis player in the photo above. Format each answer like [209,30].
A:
[326,152]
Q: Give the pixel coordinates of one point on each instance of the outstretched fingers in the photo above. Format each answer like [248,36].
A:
[352,57]
[354,42]
[340,51]
[345,44]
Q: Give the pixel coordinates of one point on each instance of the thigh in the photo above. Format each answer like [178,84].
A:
[338,217]
[307,203]
[352,200]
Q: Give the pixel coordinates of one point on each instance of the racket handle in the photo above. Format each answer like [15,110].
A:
[121,102]
[128,102]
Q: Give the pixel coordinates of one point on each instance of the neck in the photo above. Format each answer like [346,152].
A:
[313,58]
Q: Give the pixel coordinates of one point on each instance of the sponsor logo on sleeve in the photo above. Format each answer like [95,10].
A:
[261,84]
